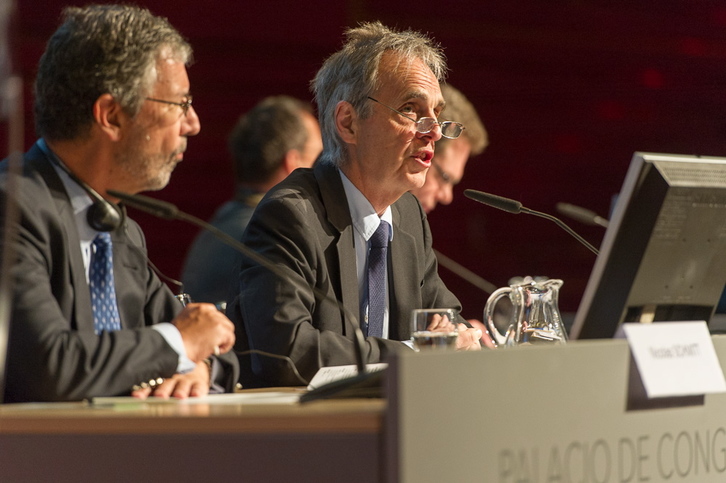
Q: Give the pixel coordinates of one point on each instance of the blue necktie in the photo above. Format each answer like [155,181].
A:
[377,279]
[103,291]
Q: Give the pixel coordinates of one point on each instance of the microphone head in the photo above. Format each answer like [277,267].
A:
[104,215]
[510,206]
[582,215]
[159,208]
[578,213]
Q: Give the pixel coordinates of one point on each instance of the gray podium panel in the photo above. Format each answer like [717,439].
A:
[544,414]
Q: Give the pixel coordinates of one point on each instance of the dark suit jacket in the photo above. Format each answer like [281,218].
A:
[304,226]
[53,353]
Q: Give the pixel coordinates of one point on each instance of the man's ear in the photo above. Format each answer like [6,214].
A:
[109,116]
[346,122]
[291,161]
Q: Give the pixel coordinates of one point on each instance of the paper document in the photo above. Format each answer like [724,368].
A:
[261,397]
[329,374]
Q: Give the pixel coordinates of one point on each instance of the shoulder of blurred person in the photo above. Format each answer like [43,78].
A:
[268,142]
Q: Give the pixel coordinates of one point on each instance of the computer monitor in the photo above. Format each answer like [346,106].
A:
[663,257]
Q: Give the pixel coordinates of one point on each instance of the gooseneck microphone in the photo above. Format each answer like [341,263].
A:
[583,215]
[365,384]
[512,206]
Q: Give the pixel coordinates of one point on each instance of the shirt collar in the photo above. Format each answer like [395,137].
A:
[80,200]
[364,217]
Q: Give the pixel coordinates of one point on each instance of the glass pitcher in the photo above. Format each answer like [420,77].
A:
[535,316]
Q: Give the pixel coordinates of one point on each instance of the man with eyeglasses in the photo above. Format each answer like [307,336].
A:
[89,317]
[348,229]
[447,167]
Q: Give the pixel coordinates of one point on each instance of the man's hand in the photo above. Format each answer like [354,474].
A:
[468,339]
[441,324]
[486,338]
[205,331]
[181,386]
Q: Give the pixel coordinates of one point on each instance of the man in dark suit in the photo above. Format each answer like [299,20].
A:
[378,100]
[114,113]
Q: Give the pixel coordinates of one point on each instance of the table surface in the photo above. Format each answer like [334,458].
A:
[176,417]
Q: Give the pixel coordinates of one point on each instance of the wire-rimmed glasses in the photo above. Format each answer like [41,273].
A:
[185,104]
[449,129]
[445,177]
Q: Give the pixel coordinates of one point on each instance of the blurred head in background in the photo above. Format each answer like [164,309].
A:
[451,155]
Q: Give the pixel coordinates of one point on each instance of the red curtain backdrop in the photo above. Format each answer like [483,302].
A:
[568,90]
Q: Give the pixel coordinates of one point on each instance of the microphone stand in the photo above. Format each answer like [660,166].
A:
[562,225]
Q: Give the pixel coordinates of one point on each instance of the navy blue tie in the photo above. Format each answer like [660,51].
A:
[377,279]
[103,290]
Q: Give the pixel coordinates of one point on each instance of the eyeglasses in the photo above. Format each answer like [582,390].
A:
[185,104]
[445,177]
[449,129]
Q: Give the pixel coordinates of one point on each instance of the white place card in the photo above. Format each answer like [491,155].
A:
[675,358]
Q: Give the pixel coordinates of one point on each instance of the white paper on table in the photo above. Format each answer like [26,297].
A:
[330,374]
[261,397]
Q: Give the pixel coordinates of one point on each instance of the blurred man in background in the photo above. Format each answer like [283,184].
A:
[277,136]
[447,167]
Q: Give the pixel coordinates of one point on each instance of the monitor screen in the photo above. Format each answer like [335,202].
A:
[663,257]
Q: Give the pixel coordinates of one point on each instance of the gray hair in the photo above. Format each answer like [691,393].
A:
[100,49]
[459,109]
[351,74]
[264,134]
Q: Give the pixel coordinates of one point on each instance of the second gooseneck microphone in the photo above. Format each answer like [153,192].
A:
[583,215]
[512,206]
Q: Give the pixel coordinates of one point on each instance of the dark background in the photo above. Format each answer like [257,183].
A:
[568,90]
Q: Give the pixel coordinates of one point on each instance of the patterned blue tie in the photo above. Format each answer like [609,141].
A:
[103,292]
[377,279]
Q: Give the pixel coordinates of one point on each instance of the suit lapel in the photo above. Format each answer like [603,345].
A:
[336,208]
[82,313]
[404,289]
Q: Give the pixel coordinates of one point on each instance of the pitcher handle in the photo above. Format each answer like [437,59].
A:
[499,338]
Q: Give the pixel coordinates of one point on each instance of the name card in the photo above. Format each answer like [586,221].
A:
[675,358]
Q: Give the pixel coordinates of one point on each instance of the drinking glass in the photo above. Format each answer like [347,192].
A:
[433,329]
